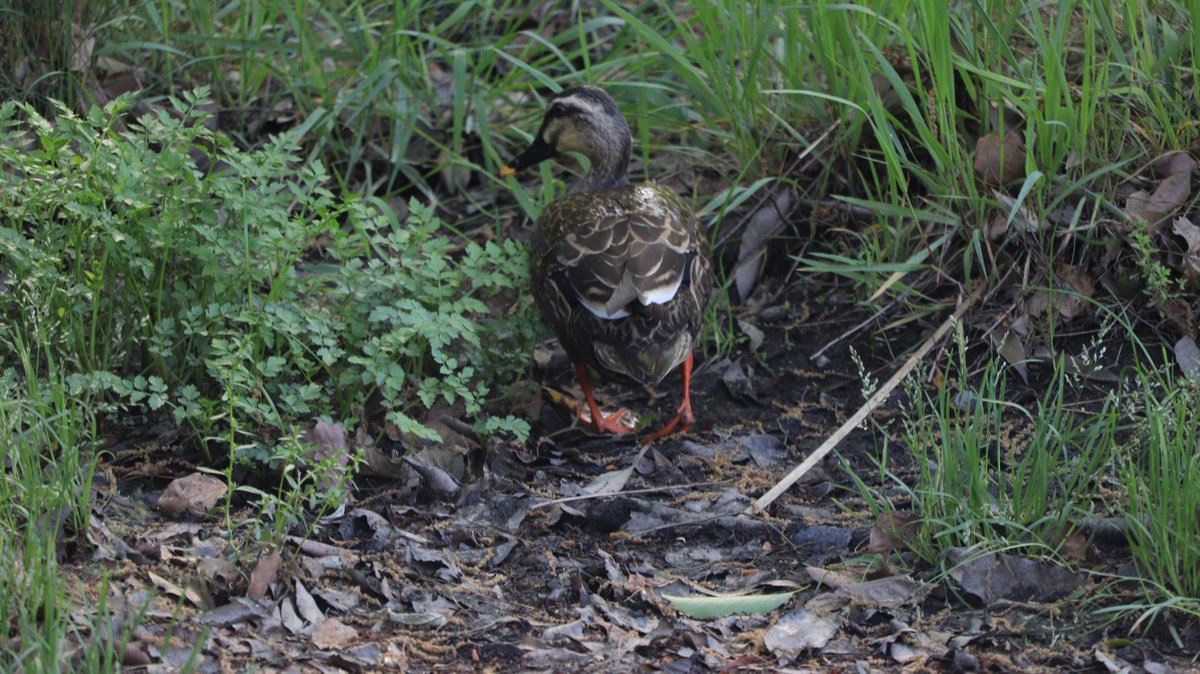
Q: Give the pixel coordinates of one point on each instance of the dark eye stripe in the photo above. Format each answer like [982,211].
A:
[562,110]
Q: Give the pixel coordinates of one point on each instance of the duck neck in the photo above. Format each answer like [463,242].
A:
[610,165]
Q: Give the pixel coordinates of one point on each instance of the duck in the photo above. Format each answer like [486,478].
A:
[621,271]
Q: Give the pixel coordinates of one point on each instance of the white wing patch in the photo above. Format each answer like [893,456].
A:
[599,311]
[662,295]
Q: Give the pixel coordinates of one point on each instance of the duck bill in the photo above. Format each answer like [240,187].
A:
[537,153]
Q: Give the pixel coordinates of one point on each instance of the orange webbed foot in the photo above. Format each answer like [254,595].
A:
[605,424]
[595,420]
[680,423]
[683,418]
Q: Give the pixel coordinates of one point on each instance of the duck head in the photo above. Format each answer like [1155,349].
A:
[584,120]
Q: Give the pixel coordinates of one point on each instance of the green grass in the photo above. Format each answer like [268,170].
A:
[991,474]
[1159,475]
[249,301]
[44,500]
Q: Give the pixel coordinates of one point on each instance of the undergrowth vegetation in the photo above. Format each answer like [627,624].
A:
[243,297]
[247,217]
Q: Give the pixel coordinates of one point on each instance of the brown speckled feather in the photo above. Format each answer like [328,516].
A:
[622,274]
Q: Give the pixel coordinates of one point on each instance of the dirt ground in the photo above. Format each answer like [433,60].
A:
[516,564]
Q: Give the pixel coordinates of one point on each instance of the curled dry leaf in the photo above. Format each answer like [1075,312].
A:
[136,654]
[333,633]
[888,592]
[997,227]
[1173,190]
[1070,301]
[306,606]
[761,227]
[329,441]
[375,460]
[739,380]
[1023,217]
[1010,343]
[1174,163]
[893,530]
[1000,576]
[196,493]
[1180,314]
[753,333]
[801,630]
[1000,158]
[1187,354]
[1190,234]
[263,575]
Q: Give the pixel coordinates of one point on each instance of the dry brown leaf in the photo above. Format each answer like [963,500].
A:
[306,606]
[1172,191]
[329,441]
[1073,547]
[219,571]
[333,633]
[893,529]
[136,654]
[1000,159]
[1187,354]
[196,493]
[1082,288]
[1190,234]
[165,585]
[1068,303]
[760,228]
[882,592]
[375,460]
[444,469]
[799,631]
[997,227]
[997,576]
[1180,314]
[1024,217]
[1174,163]
[263,575]
[1010,344]
[753,333]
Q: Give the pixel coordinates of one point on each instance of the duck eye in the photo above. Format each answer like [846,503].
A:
[557,110]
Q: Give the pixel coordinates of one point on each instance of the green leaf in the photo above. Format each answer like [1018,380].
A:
[718,607]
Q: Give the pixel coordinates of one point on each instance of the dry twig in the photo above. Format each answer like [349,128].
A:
[868,407]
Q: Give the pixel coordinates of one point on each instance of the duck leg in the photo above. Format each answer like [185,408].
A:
[683,417]
[598,422]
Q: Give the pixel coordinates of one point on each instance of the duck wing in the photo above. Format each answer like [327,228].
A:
[629,250]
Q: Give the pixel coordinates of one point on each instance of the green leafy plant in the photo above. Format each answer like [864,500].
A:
[160,284]
[1161,285]
[149,267]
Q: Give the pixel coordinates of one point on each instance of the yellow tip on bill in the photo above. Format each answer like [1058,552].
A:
[507,171]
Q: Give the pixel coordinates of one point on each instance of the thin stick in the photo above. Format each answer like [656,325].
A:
[648,490]
[862,413]
[870,319]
